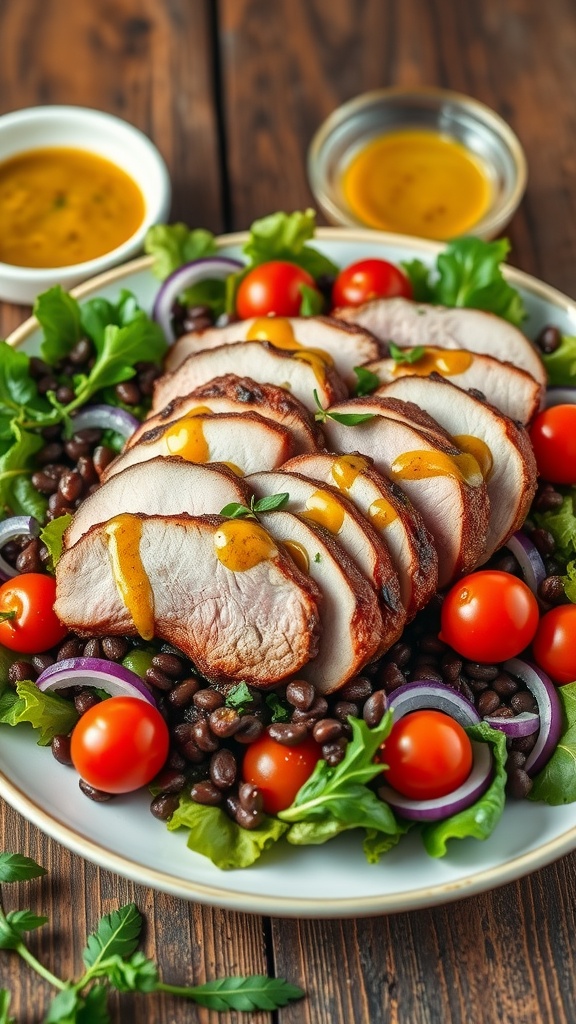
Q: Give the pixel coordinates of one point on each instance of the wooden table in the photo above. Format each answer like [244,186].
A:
[232,91]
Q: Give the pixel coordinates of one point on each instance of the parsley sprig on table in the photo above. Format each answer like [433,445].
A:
[112,961]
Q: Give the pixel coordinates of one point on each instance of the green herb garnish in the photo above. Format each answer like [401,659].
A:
[348,419]
[406,355]
[366,381]
[235,510]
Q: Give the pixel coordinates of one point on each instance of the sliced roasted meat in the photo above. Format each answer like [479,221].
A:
[301,373]
[329,508]
[220,590]
[350,617]
[243,441]
[501,446]
[442,482]
[348,345]
[514,392]
[388,509]
[408,324]
[162,486]
[241,394]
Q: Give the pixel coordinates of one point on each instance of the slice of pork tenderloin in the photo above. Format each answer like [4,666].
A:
[298,372]
[409,324]
[241,394]
[243,441]
[347,344]
[502,446]
[350,617]
[161,486]
[329,508]
[442,482]
[259,624]
[388,509]
[514,392]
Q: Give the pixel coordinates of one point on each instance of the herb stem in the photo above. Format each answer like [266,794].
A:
[38,967]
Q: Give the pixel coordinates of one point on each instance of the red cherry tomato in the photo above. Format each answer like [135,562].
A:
[274,287]
[120,744]
[428,755]
[369,279]
[489,616]
[553,436]
[28,623]
[279,771]
[554,645]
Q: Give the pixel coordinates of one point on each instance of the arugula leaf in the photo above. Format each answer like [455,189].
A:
[59,316]
[480,819]
[52,536]
[50,714]
[117,934]
[348,419]
[468,273]
[406,355]
[556,783]
[16,467]
[366,381]
[4,1008]
[283,236]
[338,798]
[214,835]
[239,697]
[17,388]
[172,245]
[14,867]
[118,350]
[245,994]
[561,364]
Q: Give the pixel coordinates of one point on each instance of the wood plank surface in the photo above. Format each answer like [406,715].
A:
[259,78]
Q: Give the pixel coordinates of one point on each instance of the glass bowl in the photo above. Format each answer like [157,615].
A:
[482,132]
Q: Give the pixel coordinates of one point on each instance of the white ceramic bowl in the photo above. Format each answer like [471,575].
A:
[107,136]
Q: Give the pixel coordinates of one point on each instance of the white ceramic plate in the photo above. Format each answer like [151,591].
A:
[328,881]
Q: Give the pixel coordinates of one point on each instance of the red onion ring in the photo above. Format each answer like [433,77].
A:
[93,672]
[211,268]
[559,396]
[529,559]
[425,694]
[549,706]
[15,526]
[445,806]
[106,417]
[524,724]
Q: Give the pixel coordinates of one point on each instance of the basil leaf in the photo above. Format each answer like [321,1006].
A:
[59,316]
[173,245]
[271,502]
[406,355]
[349,419]
[234,510]
[16,868]
[214,835]
[556,783]
[366,381]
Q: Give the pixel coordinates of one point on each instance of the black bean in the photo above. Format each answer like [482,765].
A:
[29,558]
[549,339]
[164,805]
[357,689]
[431,644]
[176,761]
[97,795]
[525,743]
[548,499]
[85,467]
[128,392]
[543,540]
[115,647]
[208,699]
[158,679]
[20,670]
[71,648]
[204,737]
[46,384]
[300,694]
[451,666]
[518,784]
[391,676]
[181,695]
[206,793]
[507,563]
[523,701]
[326,730]
[81,352]
[89,435]
[488,702]
[551,590]
[60,747]
[70,485]
[146,379]
[502,712]
[504,685]
[55,470]
[50,453]
[93,648]
[375,708]
[102,457]
[169,664]
[44,484]
[65,394]
[400,653]
[58,505]
[466,690]
[334,751]
[428,673]
[85,700]
[515,759]
[38,368]
[225,722]
[246,819]
[41,661]
[223,768]
[250,729]
[344,709]
[250,797]
[74,449]
[289,734]
[318,708]
[170,780]
[476,670]
[476,685]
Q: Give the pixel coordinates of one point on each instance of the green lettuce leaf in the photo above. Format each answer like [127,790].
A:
[569,581]
[172,245]
[376,844]
[59,316]
[48,713]
[283,236]
[17,495]
[556,783]
[18,391]
[561,364]
[561,523]
[118,349]
[480,819]
[52,536]
[96,314]
[216,836]
[468,273]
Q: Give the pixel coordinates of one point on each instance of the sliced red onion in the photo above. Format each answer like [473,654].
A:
[524,724]
[94,672]
[549,706]
[15,526]
[529,559]
[211,268]
[445,806]
[106,417]
[560,396]
[425,694]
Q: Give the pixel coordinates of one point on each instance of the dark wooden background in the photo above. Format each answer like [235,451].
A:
[231,91]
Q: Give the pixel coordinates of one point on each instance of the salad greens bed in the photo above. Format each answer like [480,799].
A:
[334,799]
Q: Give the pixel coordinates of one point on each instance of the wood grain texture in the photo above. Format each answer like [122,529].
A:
[507,956]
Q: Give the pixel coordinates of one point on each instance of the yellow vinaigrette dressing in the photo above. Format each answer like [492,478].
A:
[346,468]
[186,437]
[124,533]
[61,206]
[321,508]
[382,513]
[420,465]
[240,544]
[479,449]
[446,362]
[417,182]
[278,331]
